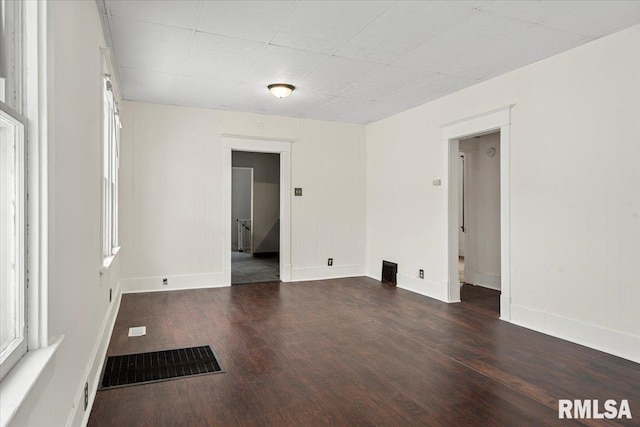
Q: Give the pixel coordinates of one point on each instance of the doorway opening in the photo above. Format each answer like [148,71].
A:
[496,123]
[479,222]
[255,217]
[282,148]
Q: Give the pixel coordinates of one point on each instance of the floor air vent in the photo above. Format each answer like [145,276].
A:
[389,273]
[140,368]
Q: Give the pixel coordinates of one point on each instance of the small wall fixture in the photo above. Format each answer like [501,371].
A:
[281,90]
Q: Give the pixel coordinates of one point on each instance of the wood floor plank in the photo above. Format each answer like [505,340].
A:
[353,352]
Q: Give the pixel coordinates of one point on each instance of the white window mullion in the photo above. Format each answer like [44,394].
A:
[110,171]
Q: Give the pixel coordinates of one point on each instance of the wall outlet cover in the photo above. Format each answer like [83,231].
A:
[330,262]
[137,331]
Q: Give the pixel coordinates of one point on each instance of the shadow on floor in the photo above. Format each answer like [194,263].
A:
[246,268]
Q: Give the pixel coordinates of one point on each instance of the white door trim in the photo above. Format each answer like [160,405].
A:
[451,135]
[238,143]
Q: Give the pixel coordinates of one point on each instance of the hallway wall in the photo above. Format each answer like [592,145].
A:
[266,198]
[241,202]
[483,210]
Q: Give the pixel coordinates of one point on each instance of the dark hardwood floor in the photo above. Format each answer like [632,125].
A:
[484,300]
[352,352]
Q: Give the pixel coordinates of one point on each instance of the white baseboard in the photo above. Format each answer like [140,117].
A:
[486,280]
[424,287]
[285,273]
[78,415]
[613,342]
[176,282]
[322,273]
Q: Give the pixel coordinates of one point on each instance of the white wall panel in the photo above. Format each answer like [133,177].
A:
[575,190]
[174,190]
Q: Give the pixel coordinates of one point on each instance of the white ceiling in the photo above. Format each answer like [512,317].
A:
[351,61]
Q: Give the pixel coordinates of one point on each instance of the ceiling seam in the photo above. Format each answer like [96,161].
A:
[333,54]
[108,36]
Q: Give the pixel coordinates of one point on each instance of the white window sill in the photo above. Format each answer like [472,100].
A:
[15,387]
[106,262]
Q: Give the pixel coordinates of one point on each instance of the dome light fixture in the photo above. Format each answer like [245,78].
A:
[281,90]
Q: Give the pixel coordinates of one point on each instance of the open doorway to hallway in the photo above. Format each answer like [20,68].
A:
[479,222]
[255,217]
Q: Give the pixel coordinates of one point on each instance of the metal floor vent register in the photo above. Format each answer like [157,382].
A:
[140,368]
[389,273]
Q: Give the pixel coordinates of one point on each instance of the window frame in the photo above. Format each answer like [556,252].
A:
[111,126]
[18,347]
[37,105]
[12,16]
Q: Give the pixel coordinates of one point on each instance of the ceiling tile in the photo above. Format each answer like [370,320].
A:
[149,86]
[430,88]
[249,20]
[221,57]
[371,112]
[335,109]
[401,28]
[150,46]
[336,74]
[466,4]
[202,92]
[181,14]
[530,11]
[248,97]
[282,64]
[381,82]
[324,26]
[596,18]
[508,55]
[478,32]
[298,104]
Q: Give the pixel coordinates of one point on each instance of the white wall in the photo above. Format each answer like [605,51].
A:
[172,194]
[482,264]
[266,198]
[79,305]
[575,191]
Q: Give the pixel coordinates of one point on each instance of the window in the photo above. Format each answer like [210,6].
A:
[111,139]
[13,339]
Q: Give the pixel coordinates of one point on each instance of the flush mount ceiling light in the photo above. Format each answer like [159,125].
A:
[281,90]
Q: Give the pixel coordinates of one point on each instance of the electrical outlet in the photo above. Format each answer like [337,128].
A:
[110,294]
[165,282]
[421,274]
[330,262]
[86,395]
